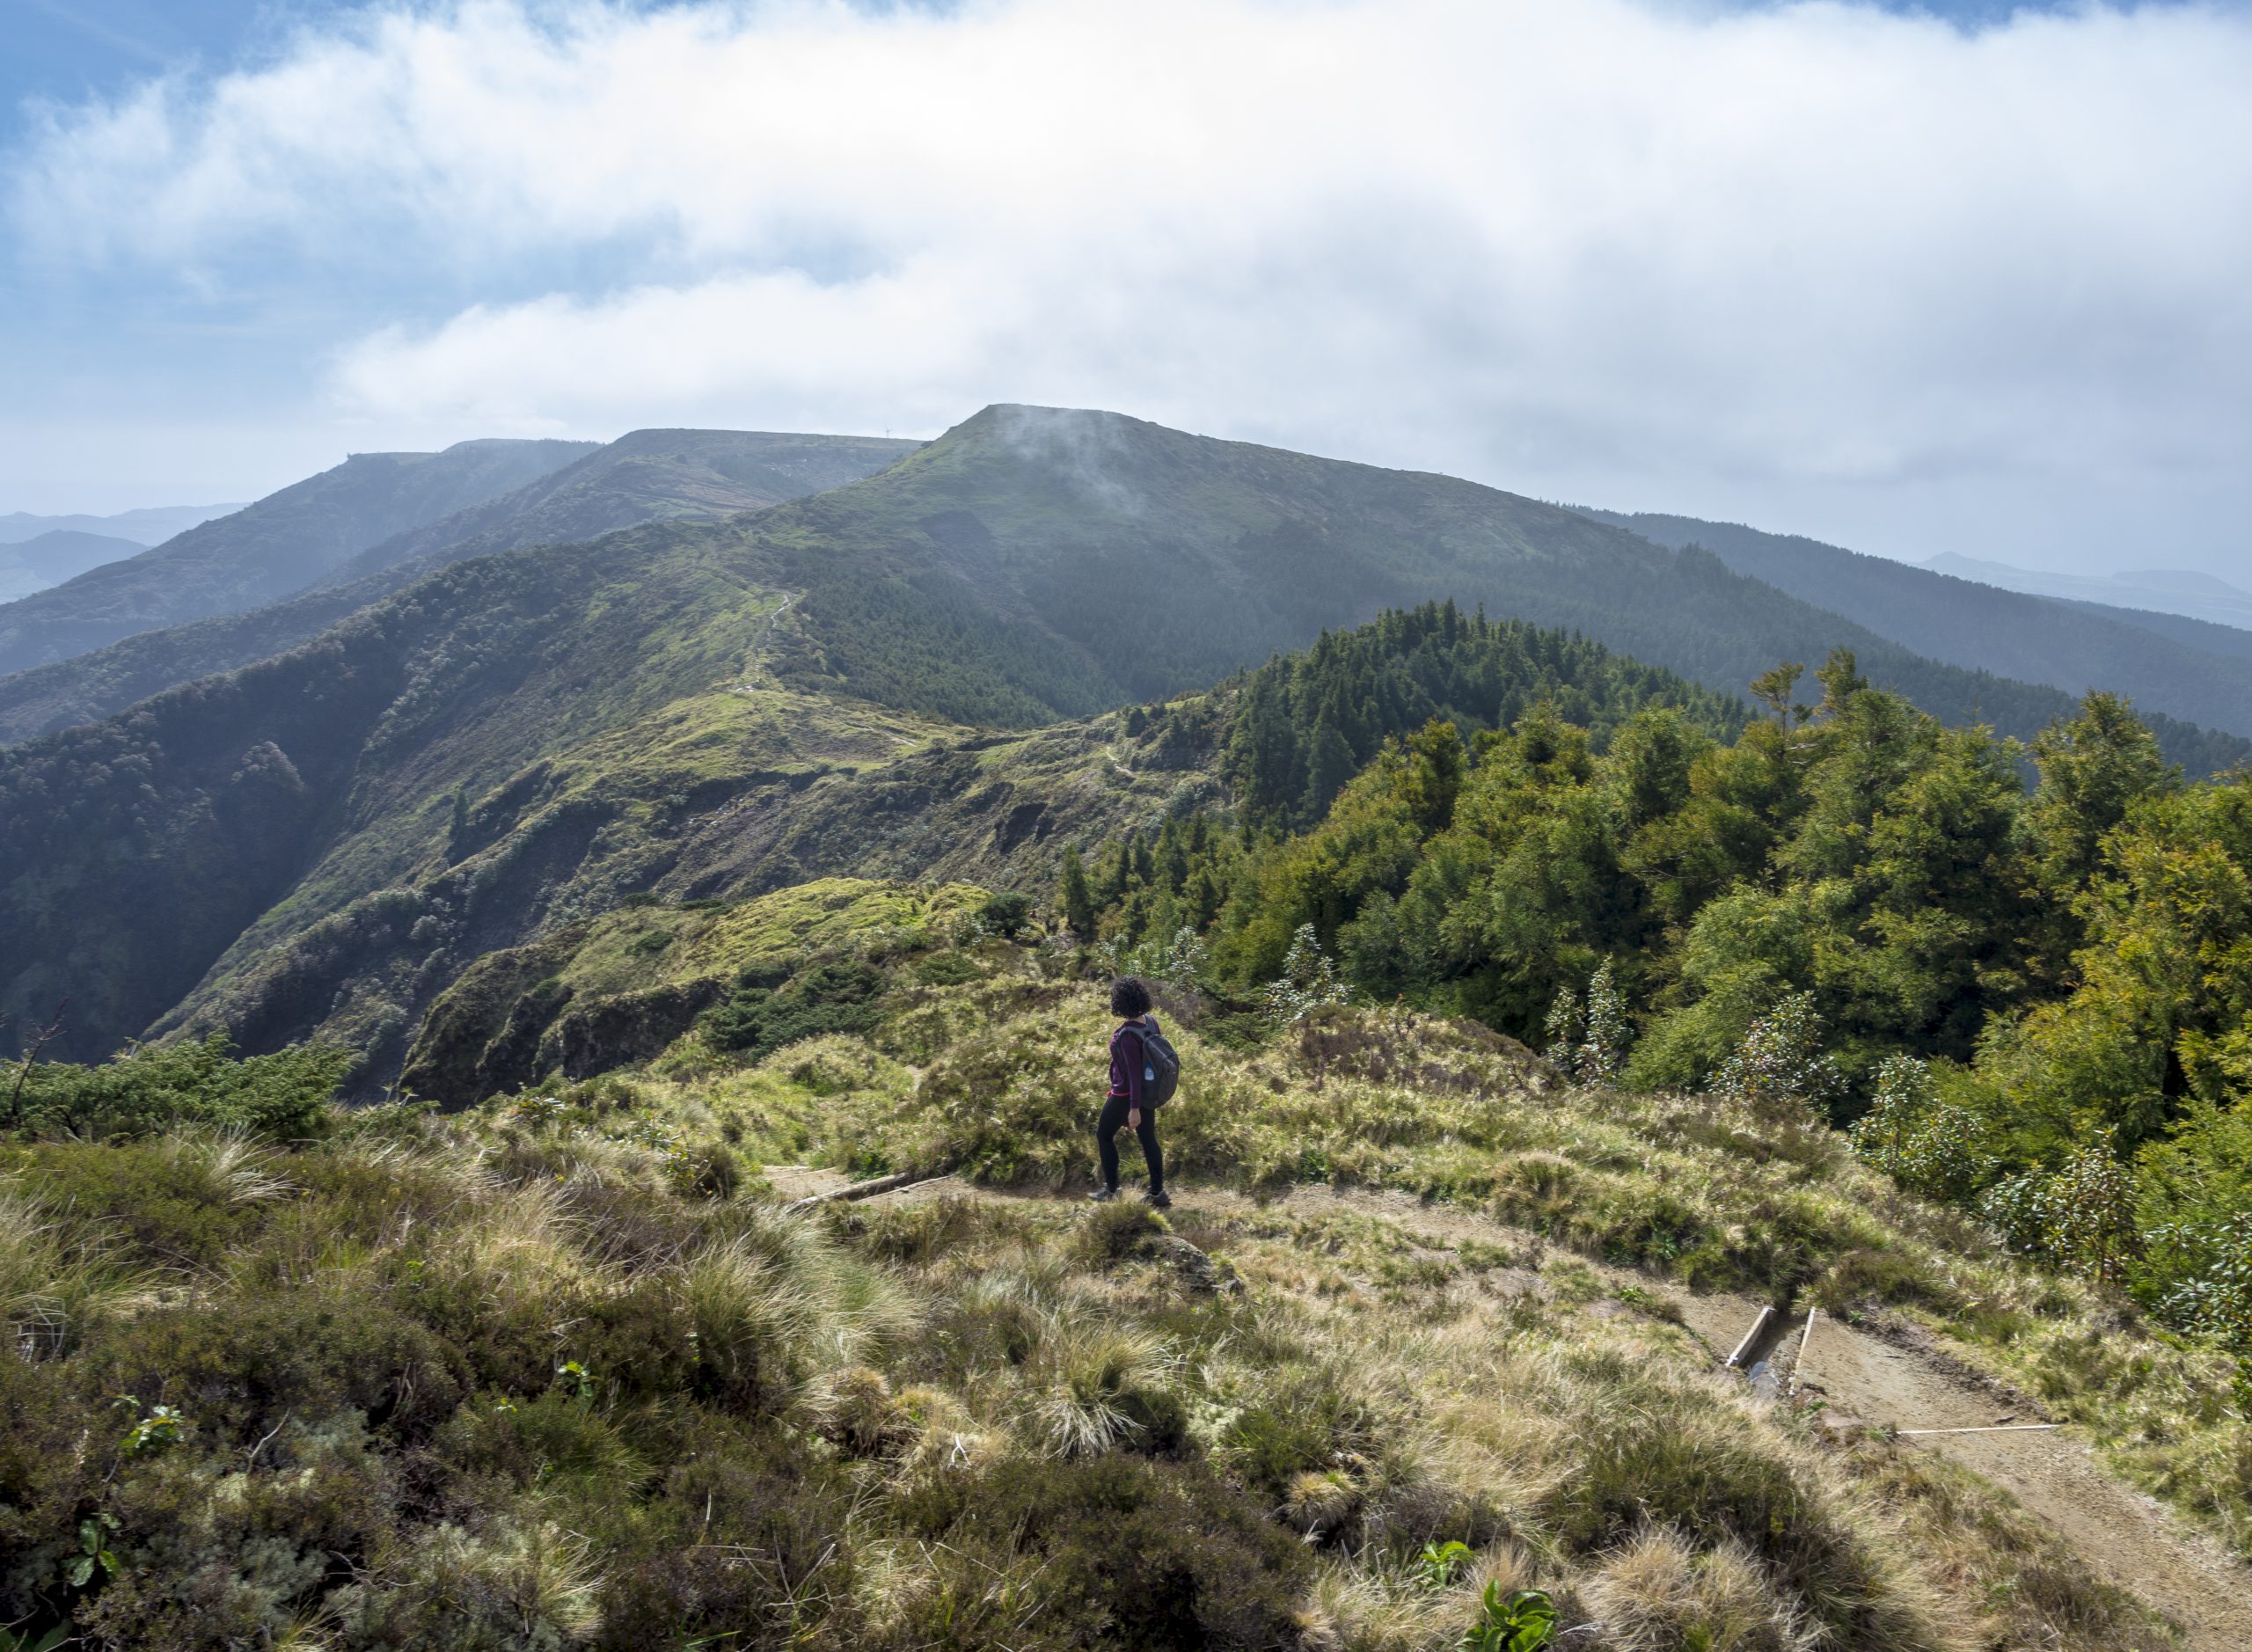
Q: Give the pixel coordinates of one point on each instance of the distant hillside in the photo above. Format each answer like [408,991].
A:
[49,559]
[649,475]
[281,544]
[2071,647]
[317,843]
[2231,641]
[151,525]
[2171,591]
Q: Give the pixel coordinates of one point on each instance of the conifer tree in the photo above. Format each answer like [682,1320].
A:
[1076,898]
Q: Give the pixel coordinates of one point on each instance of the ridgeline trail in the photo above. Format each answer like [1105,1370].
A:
[1905,1379]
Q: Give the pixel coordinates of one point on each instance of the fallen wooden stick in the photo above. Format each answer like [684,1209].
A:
[1750,1337]
[864,1190]
[1998,1428]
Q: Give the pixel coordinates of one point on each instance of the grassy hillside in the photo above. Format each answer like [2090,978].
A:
[561,1372]
[265,551]
[648,476]
[2066,645]
[319,845]
[1035,562]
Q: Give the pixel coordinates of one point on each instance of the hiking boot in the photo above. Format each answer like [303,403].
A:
[1103,1195]
[1158,1199]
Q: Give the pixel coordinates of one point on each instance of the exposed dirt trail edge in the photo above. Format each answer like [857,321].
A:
[2123,1536]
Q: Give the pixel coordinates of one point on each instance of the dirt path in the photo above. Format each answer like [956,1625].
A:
[2126,1539]
[1916,1383]
[765,637]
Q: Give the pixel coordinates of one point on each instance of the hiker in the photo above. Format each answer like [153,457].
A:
[1143,1072]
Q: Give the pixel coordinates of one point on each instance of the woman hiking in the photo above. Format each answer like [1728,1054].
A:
[1129,1069]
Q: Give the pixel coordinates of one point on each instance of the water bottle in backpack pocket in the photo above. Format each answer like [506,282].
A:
[1160,1065]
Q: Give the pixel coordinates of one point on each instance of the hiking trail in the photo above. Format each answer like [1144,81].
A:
[1906,1378]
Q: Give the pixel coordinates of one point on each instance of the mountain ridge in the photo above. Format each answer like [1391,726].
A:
[150,525]
[1982,626]
[307,846]
[2184,592]
[269,549]
[643,476]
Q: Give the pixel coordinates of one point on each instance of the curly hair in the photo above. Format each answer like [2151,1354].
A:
[1129,997]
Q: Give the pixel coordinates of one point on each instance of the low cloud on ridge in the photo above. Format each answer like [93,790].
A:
[1822,266]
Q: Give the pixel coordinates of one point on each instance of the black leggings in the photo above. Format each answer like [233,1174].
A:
[1106,1142]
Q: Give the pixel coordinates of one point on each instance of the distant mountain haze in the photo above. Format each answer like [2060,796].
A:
[645,476]
[2168,590]
[268,550]
[50,557]
[2197,673]
[150,526]
[314,845]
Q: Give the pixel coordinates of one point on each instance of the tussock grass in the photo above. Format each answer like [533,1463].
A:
[506,1379]
[57,1279]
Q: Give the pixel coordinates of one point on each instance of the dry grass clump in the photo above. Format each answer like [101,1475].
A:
[1659,1592]
[775,1305]
[56,1279]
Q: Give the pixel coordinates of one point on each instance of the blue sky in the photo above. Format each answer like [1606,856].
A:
[1952,278]
[67,49]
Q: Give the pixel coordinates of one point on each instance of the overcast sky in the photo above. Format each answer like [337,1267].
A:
[1951,279]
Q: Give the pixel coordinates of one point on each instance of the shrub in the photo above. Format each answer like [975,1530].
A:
[1563,1030]
[759,1017]
[1927,1145]
[1006,913]
[1309,980]
[163,1202]
[283,1096]
[1780,1072]
[1602,1054]
[237,1371]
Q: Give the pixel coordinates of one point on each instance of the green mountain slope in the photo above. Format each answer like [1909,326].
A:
[647,475]
[280,544]
[2067,646]
[1035,562]
[2231,641]
[317,843]
[320,844]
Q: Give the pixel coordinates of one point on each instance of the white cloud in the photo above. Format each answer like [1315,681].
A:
[1822,254]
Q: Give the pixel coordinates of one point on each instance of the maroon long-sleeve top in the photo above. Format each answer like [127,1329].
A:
[1127,1062]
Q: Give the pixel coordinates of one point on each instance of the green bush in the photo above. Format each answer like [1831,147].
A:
[281,1097]
[1006,913]
[236,1371]
[760,1017]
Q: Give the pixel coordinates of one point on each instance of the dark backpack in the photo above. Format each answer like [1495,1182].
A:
[1161,1063]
